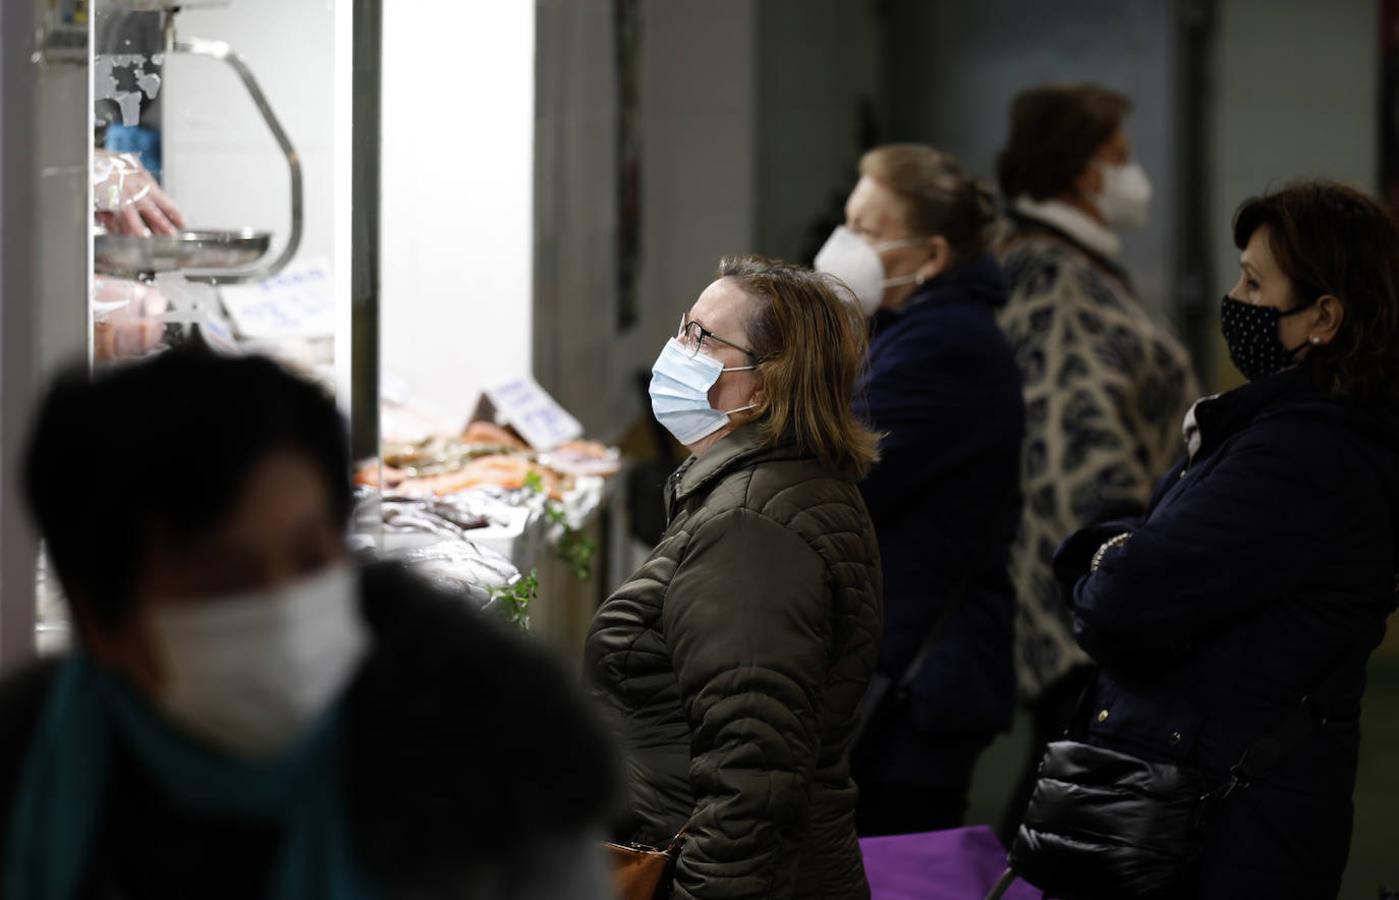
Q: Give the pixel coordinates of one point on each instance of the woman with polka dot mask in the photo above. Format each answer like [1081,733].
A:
[1264,569]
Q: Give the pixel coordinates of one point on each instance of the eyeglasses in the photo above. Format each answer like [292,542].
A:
[692,336]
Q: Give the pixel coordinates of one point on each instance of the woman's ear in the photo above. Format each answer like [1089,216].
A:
[1330,314]
[759,395]
[939,258]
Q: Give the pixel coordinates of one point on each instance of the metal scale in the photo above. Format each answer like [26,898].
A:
[212,256]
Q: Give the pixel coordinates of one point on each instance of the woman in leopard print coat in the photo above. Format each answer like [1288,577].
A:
[1106,382]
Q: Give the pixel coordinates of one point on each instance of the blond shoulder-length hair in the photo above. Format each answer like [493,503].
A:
[809,346]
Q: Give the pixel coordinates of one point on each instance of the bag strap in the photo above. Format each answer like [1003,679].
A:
[939,629]
[1312,713]
[1301,722]
[674,843]
[881,685]
[998,890]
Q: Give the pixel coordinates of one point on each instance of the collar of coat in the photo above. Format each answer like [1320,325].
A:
[1078,225]
[1021,224]
[742,448]
[979,280]
[1213,419]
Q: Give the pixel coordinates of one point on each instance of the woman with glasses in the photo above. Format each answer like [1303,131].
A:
[734,660]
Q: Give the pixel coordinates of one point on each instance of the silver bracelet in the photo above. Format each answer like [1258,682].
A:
[1111,544]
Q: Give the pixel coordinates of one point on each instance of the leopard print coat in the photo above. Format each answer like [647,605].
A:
[1107,384]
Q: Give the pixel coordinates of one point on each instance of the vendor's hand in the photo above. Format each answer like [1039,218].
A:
[128,199]
[126,318]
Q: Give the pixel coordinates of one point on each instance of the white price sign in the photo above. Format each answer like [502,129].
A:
[297,302]
[525,406]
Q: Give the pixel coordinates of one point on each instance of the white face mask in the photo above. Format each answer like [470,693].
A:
[856,262]
[679,390]
[250,674]
[1125,197]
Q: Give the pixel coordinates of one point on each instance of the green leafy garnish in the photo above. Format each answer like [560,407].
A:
[513,599]
[575,548]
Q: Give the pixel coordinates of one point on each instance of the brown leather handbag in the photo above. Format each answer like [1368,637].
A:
[643,872]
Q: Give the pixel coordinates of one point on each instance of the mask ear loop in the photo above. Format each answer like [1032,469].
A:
[740,369]
[1306,342]
[900,244]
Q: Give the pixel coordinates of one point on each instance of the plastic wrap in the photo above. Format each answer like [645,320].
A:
[127,198]
[477,573]
[127,318]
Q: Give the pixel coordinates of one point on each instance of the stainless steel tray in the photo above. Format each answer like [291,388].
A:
[205,249]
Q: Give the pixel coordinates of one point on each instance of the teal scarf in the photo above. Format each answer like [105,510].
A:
[58,802]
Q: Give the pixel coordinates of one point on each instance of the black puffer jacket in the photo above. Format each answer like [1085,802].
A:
[1265,568]
[735,660]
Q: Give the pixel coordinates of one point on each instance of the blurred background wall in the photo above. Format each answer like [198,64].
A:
[750,117]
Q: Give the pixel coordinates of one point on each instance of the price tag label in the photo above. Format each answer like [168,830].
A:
[295,303]
[525,406]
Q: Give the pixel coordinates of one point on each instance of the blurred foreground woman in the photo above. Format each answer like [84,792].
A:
[248,714]
[735,658]
[1245,605]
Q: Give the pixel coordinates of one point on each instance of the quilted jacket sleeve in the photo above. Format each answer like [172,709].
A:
[1240,538]
[747,618]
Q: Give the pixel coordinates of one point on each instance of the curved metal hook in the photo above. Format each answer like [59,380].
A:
[222,51]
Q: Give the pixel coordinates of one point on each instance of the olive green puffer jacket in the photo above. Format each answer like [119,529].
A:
[734,661]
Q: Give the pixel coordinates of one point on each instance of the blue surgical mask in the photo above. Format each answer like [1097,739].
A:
[680,386]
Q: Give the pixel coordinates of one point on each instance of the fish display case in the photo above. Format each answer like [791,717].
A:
[226,157]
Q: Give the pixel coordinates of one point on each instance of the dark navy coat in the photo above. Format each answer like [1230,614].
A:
[944,390]
[1266,563]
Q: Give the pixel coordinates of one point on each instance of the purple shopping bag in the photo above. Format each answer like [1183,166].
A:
[960,864]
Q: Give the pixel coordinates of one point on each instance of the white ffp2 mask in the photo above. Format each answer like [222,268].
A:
[679,391]
[1125,197]
[858,264]
[250,674]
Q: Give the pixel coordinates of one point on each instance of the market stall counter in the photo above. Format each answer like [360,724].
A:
[518,530]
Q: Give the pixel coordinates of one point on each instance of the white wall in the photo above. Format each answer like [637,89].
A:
[221,163]
[818,61]
[1296,94]
[700,120]
[457,185]
[575,202]
[699,111]
[20,205]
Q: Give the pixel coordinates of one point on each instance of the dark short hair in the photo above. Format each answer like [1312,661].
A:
[163,446]
[1332,239]
[1054,131]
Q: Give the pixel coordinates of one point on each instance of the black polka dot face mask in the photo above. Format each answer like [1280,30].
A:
[1251,334]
